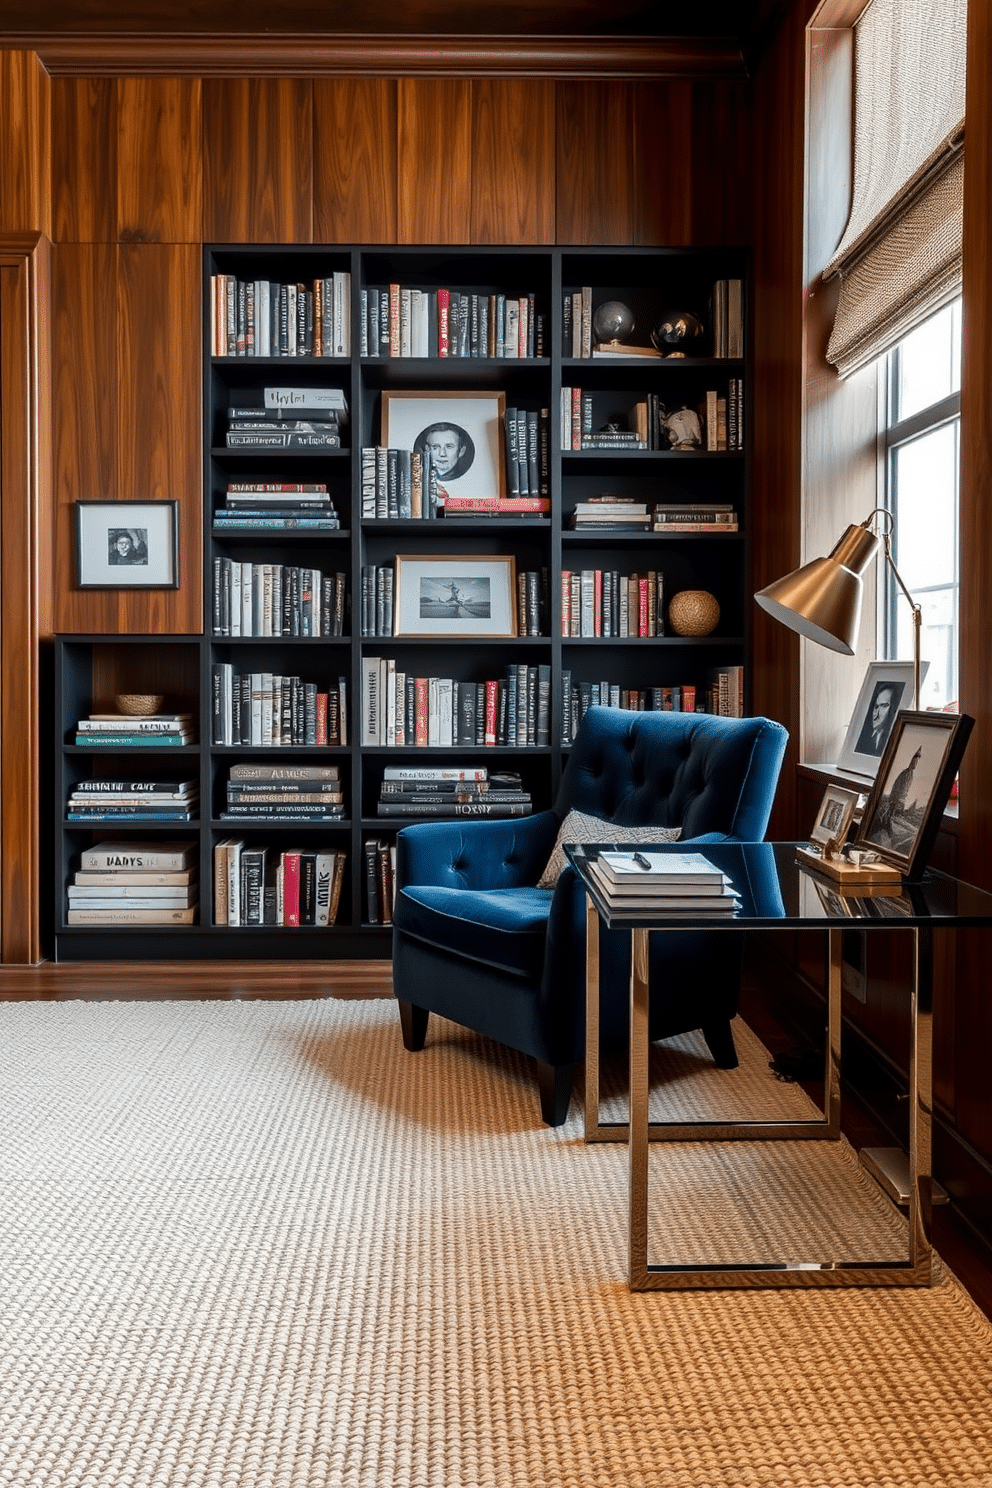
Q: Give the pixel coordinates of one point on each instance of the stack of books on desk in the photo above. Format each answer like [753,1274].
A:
[661,883]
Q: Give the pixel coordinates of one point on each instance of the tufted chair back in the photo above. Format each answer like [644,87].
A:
[690,770]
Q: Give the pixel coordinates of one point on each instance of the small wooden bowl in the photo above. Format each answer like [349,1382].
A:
[139,702]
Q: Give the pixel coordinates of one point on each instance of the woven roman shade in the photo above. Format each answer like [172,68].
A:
[900,256]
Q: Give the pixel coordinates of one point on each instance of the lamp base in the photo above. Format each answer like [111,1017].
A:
[851,875]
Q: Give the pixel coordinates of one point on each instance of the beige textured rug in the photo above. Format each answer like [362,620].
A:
[257,1245]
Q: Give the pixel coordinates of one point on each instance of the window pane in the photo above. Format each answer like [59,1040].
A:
[928,363]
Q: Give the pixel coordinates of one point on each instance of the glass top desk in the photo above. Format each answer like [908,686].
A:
[776,892]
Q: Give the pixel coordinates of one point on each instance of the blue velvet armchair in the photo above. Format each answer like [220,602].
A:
[477,942]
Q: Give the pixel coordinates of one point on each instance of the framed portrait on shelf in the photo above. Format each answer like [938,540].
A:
[915,775]
[451,596]
[127,544]
[834,817]
[461,431]
[887,687]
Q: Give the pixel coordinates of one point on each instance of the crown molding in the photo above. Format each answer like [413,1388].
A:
[118,54]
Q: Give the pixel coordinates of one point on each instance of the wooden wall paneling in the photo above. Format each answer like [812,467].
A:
[25,144]
[434,161]
[354,160]
[159,339]
[159,160]
[723,163]
[85,416]
[257,160]
[25,465]
[974,1009]
[513,161]
[84,160]
[596,185]
[664,162]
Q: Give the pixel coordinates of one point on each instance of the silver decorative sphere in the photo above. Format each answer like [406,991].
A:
[613,321]
[678,333]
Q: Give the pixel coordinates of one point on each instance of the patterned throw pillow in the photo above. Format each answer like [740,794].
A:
[577,827]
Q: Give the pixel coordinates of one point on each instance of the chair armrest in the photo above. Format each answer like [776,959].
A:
[497,854]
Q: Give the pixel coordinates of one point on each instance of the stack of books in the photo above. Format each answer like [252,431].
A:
[663,883]
[453,791]
[701,516]
[102,730]
[276,793]
[122,800]
[296,888]
[289,418]
[276,506]
[605,512]
[134,883]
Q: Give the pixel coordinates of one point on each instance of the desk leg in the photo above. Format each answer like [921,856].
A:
[921,1109]
[831,1071]
[592,1131]
[638,1137]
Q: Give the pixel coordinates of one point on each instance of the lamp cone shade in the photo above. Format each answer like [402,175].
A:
[822,600]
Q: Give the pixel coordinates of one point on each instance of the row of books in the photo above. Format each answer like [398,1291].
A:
[605,602]
[435,794]
[148,730]
[727,318]
[402,320]
[701,516]
[378,600]
[276,599]
[265,318]
[526,437]
[380,879]
[255,884]
[399,484]
[260,793]
[269,710]
[721,693]
[716,423]
[405,711]
[134,883]
[124,800]
[277,506]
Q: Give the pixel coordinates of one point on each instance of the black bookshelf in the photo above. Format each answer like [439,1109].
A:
[91,668]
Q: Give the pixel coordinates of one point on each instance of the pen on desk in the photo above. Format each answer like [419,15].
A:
[642,861]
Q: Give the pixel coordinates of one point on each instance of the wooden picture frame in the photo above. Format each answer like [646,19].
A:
[915,775]
[463,431]
[127,544]
[455,596]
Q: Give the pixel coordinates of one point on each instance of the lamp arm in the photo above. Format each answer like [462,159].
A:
[917,618]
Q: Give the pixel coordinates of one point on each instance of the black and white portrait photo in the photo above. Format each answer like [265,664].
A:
[451,449]
[885,703]
[127,546]
[462,434]
[886,688]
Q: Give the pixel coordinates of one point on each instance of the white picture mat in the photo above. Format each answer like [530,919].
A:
[405,417]
[152,560]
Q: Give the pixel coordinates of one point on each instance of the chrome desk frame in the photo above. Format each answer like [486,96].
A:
[916,1270]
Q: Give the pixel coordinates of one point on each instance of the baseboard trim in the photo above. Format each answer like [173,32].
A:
[194,980]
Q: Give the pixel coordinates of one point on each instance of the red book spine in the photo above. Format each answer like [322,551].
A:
[443,322]
[394,320]
[597,600]
[688,697]
[492,708]
[421,694]
[642,607]
[576,418]
[321,719]
[291,888]
[566,601]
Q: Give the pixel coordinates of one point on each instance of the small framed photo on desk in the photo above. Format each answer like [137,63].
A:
[834,818]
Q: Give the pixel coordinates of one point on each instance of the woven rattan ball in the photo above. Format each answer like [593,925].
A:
[693,612]
[138,702]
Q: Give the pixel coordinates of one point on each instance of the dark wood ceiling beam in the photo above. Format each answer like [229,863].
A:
[176,55]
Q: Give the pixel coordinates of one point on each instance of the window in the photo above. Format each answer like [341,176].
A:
[922,445]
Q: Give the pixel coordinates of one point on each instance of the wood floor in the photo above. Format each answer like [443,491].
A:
[965,1253]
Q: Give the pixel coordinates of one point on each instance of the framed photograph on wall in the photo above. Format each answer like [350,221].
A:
[914,780]
[473,596]
[461,431]
[127,544]
[887,687]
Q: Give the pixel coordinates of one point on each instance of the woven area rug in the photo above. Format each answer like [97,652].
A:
[258,1245]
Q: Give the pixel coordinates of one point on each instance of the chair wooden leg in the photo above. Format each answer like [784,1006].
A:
[720,1041]
[413,1023]
[554,1084]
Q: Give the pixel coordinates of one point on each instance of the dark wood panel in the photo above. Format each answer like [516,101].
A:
[434,161]
[664,162]
[159,181]
[596,186]
[84,160]
[354,160]
[257,160]
[724,165]
[513,162]
[85,415]
[25,144]
[159,351]
[24,565]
